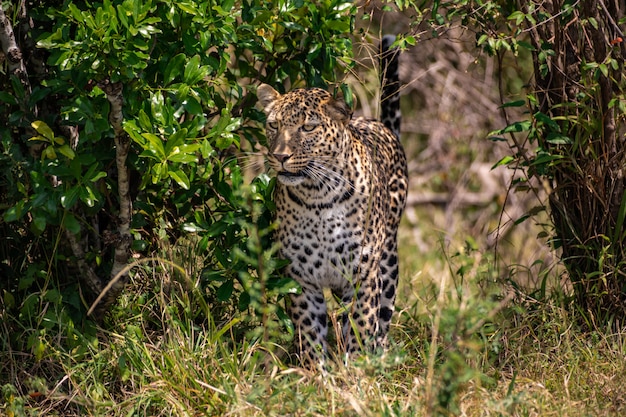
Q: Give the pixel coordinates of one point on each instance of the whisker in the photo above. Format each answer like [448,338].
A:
[251,163]
[321,168]
[323,173]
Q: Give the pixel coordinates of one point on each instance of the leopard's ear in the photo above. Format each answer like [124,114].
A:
[267,95]
[338,109]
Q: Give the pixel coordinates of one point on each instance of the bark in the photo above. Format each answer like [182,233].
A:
[88,275]
[12,52]
[122,241]
[588,183]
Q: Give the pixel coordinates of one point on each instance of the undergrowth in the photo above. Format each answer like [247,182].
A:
[460,346]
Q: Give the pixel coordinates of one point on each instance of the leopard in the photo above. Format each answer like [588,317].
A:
[341,189]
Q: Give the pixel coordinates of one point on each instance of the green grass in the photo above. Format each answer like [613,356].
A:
[460,347]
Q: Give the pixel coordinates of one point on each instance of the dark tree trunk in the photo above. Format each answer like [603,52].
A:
[579,62]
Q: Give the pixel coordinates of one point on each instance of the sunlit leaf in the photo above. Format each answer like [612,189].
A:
[43,129]
[66,151]
[181,178]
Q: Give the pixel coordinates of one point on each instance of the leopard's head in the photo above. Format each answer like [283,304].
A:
[306,131]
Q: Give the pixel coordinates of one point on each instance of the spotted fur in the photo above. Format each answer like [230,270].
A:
[341,190]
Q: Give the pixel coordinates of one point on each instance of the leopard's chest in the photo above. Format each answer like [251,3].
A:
[324,242]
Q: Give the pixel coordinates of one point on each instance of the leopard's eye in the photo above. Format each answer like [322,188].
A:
[308,127]
[273,125]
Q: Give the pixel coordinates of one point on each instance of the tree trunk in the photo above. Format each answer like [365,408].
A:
[578,60]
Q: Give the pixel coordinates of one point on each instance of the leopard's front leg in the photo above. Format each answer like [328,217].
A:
[308,314]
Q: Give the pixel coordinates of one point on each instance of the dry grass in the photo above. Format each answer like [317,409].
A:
[459,349]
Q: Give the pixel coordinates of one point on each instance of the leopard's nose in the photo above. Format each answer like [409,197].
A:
[281,157]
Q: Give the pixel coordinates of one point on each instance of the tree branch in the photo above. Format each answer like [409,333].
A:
[123,239]
[12,51]
[87,273]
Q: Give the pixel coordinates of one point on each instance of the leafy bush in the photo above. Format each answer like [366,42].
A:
[149,103]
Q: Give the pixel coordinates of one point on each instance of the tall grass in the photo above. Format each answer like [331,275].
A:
[459,347]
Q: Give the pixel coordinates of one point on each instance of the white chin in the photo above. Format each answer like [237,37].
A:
[290,179]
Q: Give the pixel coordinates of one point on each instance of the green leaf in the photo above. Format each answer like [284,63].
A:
[43,129]
[482,39]
[158,108]
[48,153]
[184,158]
[66,151]
[160,171]
[410,40]
[206,149]
[8,98]
[68,199]
[557,139]
[188,7]
[100,174]
[182,91]
[192,106]
[504,161]
[71,224]
[156,144]
[181,178]
[517,103]
[93,174]
[8,298]
[122,15]
[517,127]
[193,71]
[174,68]
[192,228]
[18,88]
[75,12]
[144,120]
[284,285]
[134,131]
[531,213]
[544,158]
[87,196]
[244,301]
[190,149]
[225,290]
[39,138]
[526,45]
[227,5]
[348,97]
[546,120]
[175,141]
[518,16]
[39,224]
[217,229]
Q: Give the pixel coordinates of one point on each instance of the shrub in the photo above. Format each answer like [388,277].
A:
[125,131]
